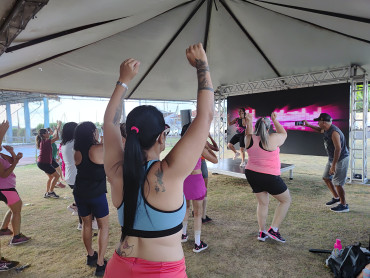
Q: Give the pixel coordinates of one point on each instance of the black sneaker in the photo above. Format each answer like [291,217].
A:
[6,265]
[262,236]
[184,238]
[340,208]
[100,269]
[207,219]
[199,248]
[91,260]
[332,202]
[275,235]
[46,195]
[53,195]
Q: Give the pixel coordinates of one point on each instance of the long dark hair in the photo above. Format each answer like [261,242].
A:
[84,136]
[143,126]
[261,129]
[40,136]
[68,132]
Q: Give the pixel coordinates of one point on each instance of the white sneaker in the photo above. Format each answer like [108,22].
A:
[242,164]
[95,225]
[79,227]
[236,155]
[75,213]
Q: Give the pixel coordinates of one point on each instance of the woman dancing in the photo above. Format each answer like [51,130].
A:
[152,190]
[239,136]
[263,173]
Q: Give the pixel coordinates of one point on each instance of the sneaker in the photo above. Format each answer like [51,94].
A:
[79,227]
[340,208]
[100,269]
[242,164]
[46,195]
[60,185]
[6,265]
[236,155]
[19,239]
[73,208]
[275,235]
[332,202]
[6,232]
[184,238]
[207,219]
[53,195]
[199,248]
[91,260]
[95,225]
[75,213]
[262,236]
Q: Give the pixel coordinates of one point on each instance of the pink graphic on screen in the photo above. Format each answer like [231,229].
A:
[287,118]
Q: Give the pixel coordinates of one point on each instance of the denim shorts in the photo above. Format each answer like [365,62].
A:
[340,175]
[96,206]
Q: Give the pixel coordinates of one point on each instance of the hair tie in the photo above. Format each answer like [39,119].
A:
[135,128]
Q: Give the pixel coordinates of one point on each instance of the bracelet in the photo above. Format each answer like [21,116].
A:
[122,84]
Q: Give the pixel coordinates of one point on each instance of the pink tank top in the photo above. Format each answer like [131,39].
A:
[198,165]
[9,181]
[262,161]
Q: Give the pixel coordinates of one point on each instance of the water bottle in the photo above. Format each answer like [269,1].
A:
[337,247]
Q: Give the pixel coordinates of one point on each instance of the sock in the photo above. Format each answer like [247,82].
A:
[197,237]
[275,229]
[184,227]
[204,208]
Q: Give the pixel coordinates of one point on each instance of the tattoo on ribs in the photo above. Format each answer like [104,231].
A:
[124,250]
[159,186]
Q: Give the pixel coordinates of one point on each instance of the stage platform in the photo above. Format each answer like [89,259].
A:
[231,167]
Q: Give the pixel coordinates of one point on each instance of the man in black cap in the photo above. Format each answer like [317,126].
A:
[335,173]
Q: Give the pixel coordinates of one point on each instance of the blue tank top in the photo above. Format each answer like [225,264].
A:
[329,145]
[151,222]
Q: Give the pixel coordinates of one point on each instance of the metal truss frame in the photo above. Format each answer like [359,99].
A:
[317,78]
[22,12]
[351,74]
[13,97]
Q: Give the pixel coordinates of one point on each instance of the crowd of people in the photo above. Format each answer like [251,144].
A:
[154,198]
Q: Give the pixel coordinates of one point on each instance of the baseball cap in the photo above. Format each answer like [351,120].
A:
[323,117]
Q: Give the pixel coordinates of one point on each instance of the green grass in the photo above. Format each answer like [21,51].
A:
[56,248]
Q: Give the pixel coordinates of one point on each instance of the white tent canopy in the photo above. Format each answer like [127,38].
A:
[76,47]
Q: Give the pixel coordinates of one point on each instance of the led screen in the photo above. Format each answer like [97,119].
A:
[296,105]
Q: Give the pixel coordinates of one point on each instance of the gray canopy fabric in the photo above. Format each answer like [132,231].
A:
[75,47]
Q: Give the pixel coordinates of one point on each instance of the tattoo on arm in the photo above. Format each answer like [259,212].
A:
[125,250]
[117,115]
[203,82]
[159,186]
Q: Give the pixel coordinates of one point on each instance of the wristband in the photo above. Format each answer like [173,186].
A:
[122,84]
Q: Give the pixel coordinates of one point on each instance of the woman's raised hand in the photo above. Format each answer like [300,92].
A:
[273,116]
[197,57]
[128,69]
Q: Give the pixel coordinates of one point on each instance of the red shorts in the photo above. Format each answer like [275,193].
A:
[136,267]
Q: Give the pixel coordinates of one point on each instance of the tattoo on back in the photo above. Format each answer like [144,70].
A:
[159,186]
[125,250]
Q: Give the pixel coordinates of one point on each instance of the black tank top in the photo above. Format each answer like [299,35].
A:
[91,179]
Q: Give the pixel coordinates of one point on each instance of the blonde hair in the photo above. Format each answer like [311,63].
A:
[261,129]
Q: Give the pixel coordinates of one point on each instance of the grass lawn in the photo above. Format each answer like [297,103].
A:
[56,248]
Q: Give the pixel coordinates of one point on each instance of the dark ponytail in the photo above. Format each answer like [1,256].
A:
[40,136]
[143,126]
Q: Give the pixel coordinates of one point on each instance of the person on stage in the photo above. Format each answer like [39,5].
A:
[239,136]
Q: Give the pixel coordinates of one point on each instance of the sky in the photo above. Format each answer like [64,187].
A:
[79,109]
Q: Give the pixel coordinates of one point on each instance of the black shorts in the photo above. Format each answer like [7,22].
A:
[47,168]
[260,182]
[238,138]
[204,169]
[54,163]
